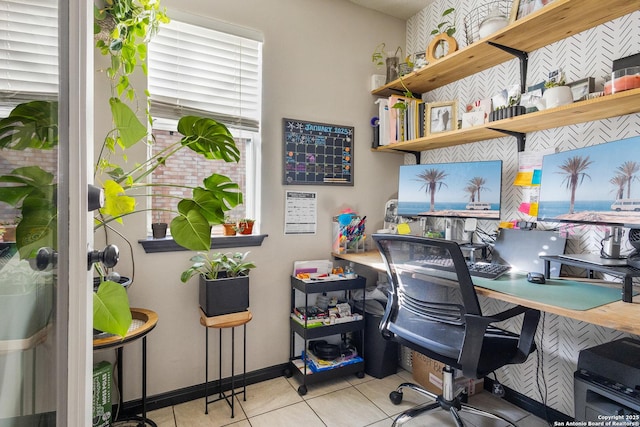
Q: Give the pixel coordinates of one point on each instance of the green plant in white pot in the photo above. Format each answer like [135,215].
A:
[224,281]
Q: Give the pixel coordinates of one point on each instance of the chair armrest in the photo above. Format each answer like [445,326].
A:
[476,328]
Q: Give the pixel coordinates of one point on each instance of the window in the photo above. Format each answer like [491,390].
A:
[28,52]
[28,72]
[206,69]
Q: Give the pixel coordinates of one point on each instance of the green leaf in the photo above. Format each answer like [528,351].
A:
[32,177]
[129,127]
[111,312]
[38,227]
[208,138]
[224,189]
[30,125]
[448,11]
[191,229]
[117,203]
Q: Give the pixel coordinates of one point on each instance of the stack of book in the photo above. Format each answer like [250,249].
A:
[400,119]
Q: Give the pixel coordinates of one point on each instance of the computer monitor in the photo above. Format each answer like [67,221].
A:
[465,189]
[597,185]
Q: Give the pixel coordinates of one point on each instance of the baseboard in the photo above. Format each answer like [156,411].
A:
[175,397]
[528,404]
[187,394]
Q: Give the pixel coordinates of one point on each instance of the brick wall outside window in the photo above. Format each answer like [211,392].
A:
[189,168]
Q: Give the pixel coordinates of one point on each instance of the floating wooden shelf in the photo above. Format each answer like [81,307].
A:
[618,104]
[555,21]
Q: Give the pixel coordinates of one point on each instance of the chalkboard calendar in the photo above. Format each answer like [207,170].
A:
[317,153]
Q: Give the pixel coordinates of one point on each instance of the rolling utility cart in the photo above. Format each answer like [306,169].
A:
[310,330]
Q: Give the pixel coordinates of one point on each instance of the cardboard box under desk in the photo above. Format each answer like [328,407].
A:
[428,373]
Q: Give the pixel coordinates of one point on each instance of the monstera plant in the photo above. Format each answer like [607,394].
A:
[123,28]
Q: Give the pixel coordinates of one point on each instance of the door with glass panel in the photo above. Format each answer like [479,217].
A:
[37,201]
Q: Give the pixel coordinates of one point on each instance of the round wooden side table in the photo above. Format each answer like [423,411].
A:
[143,322]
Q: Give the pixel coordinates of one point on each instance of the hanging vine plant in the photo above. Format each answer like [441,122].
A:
[122,30]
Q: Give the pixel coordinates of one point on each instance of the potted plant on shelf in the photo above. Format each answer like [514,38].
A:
[556,93]
[443,33]
[229,226]
[159,228]
[245,225]
[395,69]
[224,281]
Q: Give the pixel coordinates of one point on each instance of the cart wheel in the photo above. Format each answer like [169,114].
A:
[360,374]
[302,390]
[287,373]
[395,397]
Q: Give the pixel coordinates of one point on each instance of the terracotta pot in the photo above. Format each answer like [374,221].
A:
[245,227]
[229,229]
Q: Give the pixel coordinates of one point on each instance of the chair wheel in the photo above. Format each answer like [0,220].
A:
[395,397]
[287,373]
[302,390]
[360,374]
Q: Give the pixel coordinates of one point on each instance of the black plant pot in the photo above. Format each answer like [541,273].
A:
[505,113]
[224,295]
[124,281]
[159,230]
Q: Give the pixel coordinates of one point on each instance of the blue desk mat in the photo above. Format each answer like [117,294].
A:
[559,293]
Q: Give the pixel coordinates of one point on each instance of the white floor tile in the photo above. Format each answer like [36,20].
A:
[346,408]
[191,414]
[348,402]
[269,395]
[296,415]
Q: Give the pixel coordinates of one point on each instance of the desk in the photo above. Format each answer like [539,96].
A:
[143,322]
[617,315]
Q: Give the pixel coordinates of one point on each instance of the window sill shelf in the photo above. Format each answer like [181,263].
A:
[169,245]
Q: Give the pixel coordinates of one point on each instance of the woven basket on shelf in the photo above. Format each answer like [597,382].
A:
[477,16]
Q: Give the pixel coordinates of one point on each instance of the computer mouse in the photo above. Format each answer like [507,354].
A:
[534,277]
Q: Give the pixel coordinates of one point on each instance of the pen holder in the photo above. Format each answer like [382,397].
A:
[349,238]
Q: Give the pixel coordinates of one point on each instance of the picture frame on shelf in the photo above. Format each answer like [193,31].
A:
[581,88]
[441,117]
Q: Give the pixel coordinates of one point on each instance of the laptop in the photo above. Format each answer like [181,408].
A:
[521,249]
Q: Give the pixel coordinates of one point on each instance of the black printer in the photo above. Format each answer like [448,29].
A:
[607,382]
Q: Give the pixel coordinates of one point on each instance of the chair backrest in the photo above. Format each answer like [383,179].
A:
[413,261]
[455,334]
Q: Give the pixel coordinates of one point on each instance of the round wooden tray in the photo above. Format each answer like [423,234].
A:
[143,322]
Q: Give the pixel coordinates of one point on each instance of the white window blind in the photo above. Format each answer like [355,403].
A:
[28,50]
[197,70]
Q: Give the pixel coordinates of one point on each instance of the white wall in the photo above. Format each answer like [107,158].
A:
[588,54]
[317,64]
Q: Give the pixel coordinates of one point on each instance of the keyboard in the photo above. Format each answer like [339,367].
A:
[487,270]
[443,267]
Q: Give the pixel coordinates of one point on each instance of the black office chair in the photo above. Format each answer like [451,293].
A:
[458,335]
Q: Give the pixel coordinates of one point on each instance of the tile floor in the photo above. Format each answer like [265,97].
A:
[348,402]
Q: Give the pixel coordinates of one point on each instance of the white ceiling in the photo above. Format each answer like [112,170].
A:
[403,9]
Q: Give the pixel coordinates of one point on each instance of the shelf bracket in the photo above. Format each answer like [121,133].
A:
[415,153]
[524,62]
[521,137]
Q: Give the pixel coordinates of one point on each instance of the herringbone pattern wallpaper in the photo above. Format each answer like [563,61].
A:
[588,54]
